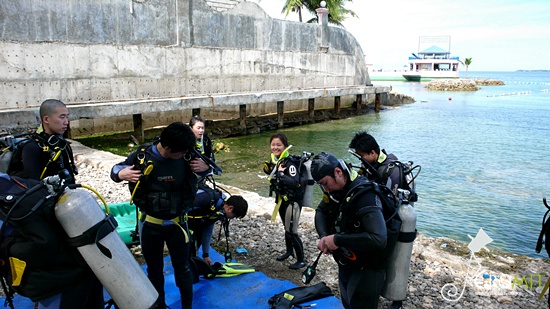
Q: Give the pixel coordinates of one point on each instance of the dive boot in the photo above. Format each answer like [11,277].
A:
[299,249]
[289,248]
[298,265]
[284,256]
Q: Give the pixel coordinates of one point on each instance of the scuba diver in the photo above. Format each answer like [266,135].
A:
[351,226]
[47,152]
[210,206]
[375,161]
[386,170]
[284,177]
[204,159]
[163,193]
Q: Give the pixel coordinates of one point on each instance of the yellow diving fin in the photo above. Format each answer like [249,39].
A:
[233,269]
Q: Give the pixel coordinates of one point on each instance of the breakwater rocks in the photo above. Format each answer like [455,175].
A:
[395,98]
[500,280]
[461,84]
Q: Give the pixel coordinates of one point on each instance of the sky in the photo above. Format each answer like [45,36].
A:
[499,35]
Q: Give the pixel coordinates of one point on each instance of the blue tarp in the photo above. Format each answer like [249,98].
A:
[251,290]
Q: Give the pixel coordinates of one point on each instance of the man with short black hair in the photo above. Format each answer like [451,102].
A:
[351,227]
[377,160]
[47,153]
[163,195]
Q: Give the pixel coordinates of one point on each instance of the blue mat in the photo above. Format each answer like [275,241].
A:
[251,290]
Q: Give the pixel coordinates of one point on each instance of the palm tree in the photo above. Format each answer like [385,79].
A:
[337,12]
[294,6]
[466,63]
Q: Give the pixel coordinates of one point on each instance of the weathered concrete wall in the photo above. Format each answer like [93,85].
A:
[83,51]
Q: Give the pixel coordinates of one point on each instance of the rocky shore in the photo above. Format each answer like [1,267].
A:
[500,280]
[461,84]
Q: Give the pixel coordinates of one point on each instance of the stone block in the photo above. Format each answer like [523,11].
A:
[14,95]
[78,90]
[12,62]
[169,87]
[100,89]
[123,88]
[104,61]
[50,90]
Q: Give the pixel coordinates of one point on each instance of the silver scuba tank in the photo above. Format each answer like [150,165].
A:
[77,211]
[307,199]
[397,274]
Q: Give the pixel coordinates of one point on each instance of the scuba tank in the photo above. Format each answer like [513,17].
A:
[79,213]
[397,273]
[306,179]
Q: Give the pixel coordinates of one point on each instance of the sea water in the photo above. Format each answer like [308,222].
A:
[484,155]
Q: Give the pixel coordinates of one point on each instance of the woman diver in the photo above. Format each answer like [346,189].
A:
[284,177]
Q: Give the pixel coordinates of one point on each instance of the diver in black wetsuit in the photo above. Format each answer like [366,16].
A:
[351,227]
[284,181]
[47,152]
[163,197]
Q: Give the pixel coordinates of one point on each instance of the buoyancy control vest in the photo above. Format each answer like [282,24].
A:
[53,153]
[160,193]
[348,221]
[36,260]
[207,206]
[295,296]
[299,169]
[397,174]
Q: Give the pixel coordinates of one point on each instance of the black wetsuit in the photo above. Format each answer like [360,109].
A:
[286,187]
[206,210]
[163,198]
[205,148]
[37,157]
[362,232]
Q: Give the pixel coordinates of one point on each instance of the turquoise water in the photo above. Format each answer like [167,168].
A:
[483,155]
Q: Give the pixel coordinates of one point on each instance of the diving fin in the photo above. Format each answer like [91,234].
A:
[200,268]
[232,269]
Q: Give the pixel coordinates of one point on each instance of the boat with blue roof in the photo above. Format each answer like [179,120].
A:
[433,60]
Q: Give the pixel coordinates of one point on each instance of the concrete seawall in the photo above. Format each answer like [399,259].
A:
[87,51]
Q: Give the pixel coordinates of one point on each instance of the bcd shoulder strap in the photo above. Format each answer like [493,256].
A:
[386,196]
[141,157]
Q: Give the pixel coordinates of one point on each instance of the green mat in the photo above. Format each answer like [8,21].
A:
[125,215]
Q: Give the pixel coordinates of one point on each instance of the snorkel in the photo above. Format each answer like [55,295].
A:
[285,153]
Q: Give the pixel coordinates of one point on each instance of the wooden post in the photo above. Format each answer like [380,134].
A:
[377,102]
[280,113]
[359,102]
[242,116]
[336,107]
[68,133]
[195,112]
[311,109]
[384,98]
[138,127]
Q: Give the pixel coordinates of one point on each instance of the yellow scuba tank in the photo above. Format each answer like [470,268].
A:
[78,212]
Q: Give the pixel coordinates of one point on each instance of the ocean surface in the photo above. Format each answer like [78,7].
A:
[484,156]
